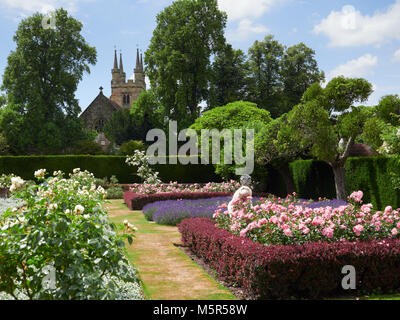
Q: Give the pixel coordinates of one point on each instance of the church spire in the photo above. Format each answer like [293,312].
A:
[141,62]
[137,60]
[115,60]
[120,63]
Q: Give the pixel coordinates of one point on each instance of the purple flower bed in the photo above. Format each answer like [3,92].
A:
[172,212]
[335,203]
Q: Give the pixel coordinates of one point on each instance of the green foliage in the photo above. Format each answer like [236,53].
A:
[228,77]
[299,71]
[265,82]
[313,179]
[388,109]
[121,127]
[373,129]
[147,113]
[373,175]
[341,93]
[105,166]
[4,147]
[40,81]
[233,115]
[188,32]
[274,143]
[352,124]
[64,227]
[86,147]
[129,148]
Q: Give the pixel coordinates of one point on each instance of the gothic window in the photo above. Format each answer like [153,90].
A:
[128,98]
[124,99]
[99,125]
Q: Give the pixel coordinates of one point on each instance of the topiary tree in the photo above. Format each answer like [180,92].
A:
[316,125]
[232,115]
[275,145]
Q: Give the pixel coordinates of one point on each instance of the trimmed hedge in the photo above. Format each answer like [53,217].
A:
[372,176]
[105,166]
[136,201]
[314,179]
[312,270]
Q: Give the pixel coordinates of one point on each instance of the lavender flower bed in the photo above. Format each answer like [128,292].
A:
[335,203]
[172,212]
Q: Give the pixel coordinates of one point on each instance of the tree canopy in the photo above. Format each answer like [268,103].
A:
[40,80]
[188,32]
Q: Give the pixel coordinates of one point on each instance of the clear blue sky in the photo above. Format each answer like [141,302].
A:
[359,38]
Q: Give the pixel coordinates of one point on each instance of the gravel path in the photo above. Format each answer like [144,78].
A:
[166,271]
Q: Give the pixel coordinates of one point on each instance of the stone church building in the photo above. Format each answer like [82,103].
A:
[123,93]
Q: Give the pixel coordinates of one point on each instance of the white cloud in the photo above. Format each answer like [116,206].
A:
[396,56]
[244,29]
[355,68]
[349,27]
[42,6]
[240,9]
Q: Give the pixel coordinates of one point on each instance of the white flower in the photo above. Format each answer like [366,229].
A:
[79,209]
[40,173]
[16,183]
[76,170]
[53,206]
[126,222]
[67,211]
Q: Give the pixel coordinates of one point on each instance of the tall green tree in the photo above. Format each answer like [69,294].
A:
[388,109]
[316,125]
[188,32]
[40,81]
[275,145]
[264,86]
[133,124]
[228,77]
[299,70]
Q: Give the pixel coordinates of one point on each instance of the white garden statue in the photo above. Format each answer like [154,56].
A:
[242,193]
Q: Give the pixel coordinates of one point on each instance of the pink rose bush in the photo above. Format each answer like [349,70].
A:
[290,221]
[175,187]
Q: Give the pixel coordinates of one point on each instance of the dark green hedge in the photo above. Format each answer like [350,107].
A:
[104,166]
[372,176]
[315,179]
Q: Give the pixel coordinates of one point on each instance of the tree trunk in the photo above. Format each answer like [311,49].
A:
[287,178]
[339,172]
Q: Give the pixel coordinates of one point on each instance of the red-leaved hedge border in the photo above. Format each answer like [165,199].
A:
[136,201]
[312,270]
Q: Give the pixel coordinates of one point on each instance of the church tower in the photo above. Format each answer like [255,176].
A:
[125,92]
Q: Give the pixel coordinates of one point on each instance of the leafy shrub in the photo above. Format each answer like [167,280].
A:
[87,147]
[115,192]
[129,148]
[312,270]
[63,226]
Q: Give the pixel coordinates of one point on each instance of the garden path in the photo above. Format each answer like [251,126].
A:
[166,271]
